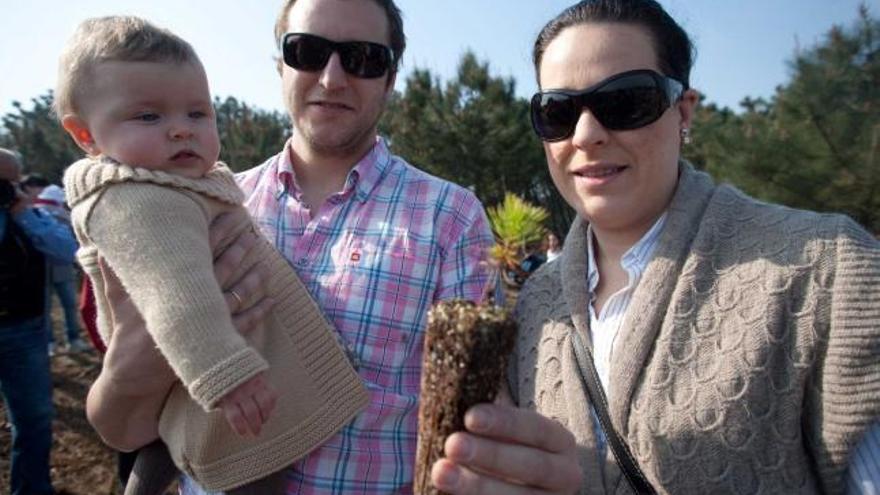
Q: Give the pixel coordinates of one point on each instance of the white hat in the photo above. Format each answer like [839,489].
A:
[52,194]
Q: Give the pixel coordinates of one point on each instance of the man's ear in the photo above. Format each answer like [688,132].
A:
[389,85]
[78,130]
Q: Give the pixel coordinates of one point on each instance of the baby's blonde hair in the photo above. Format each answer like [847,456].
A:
[113,38]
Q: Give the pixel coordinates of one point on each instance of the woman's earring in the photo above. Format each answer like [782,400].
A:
[685,135]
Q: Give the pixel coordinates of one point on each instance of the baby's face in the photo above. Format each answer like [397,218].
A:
[155,115]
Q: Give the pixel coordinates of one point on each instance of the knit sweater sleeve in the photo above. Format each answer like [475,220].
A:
[155,239]
[846,391]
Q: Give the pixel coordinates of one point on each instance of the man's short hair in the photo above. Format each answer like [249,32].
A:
[113,38]
[392,13]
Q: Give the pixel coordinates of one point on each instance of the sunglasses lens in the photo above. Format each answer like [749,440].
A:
[628,103]
[623,102]
[554,115]
[308,53]
[363,59]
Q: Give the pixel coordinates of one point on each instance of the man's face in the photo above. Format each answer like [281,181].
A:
[333,112]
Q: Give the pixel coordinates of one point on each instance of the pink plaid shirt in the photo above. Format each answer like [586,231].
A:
[375,257]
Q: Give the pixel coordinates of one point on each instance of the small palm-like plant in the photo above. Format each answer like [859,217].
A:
[517,224]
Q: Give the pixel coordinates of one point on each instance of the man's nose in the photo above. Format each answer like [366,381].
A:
[333,75]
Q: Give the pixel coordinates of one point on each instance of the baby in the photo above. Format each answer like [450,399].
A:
[135,98]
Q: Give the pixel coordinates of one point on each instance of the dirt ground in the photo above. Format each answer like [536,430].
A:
[81,464]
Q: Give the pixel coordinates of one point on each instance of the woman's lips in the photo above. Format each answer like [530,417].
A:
[599,175]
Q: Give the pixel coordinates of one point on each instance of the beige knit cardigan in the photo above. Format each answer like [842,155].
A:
[149,230]
[748,360]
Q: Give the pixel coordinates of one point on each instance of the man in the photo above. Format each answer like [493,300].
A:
[27,240]
[376,240]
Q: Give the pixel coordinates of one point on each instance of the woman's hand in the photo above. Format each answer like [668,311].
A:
[510,451]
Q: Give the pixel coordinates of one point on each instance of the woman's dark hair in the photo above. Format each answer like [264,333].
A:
[675,52]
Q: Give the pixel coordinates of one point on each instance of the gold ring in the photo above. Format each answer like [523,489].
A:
[237,298]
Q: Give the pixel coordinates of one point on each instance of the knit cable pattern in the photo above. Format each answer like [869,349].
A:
[749,359]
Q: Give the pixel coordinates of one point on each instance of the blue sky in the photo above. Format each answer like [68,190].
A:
[742,45]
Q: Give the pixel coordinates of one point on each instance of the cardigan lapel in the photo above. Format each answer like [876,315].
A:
[648,306]
[575,289]
[651,299]
[573,274]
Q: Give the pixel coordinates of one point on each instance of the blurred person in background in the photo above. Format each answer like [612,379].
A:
[28,239]
[552,246]
[62,276]
[32,185]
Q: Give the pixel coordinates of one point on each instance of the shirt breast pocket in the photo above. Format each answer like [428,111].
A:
[389,287]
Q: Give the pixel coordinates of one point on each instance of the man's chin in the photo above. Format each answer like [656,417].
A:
[340,144]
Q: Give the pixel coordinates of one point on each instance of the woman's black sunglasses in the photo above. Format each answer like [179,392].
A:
[310,53]
[624,101]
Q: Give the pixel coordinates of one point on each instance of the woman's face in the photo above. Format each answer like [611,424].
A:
[620,181]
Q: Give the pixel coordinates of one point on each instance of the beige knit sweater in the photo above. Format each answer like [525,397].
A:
[748,360]
[149,230]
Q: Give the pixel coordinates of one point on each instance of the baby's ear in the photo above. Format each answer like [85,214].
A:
[79,131]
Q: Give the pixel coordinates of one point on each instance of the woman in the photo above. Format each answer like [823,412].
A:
[737,341]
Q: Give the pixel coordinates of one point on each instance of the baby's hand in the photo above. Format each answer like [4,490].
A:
[248,407]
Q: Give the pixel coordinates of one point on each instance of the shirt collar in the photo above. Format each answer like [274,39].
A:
[635,258]
[361,180]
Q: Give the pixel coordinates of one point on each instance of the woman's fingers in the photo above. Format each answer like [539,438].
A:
[519,426]
[509,450]
[456,479]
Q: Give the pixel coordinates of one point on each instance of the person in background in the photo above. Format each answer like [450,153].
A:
[552,246]
[28,239]
[62,276]
[33,184]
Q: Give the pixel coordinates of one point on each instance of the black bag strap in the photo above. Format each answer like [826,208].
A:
[628,465]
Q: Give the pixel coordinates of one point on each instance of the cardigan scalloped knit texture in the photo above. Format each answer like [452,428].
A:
[748,361]
[148,230]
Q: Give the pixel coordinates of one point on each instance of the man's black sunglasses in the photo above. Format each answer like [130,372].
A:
[624,101]
[310,53]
